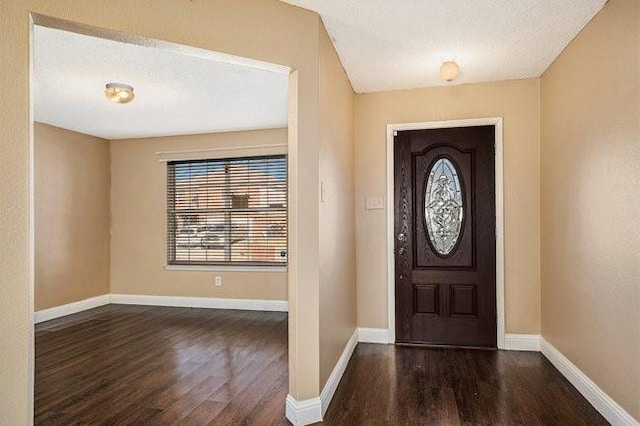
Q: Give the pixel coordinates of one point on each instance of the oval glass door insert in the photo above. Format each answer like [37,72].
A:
[443,206]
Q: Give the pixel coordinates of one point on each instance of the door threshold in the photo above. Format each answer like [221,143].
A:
[444,346]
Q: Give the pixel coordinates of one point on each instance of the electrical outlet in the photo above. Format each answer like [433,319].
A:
[218,281]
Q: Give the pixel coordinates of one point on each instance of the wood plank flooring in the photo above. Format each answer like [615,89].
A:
[125,365]
[401,385]
[136,365]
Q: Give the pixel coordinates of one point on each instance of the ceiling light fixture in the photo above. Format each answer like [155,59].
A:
[449,71]
[119,93]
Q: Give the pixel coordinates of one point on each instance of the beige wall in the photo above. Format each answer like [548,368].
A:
[337,223]
[582,317]
[72,179]
[16,279]
[139,202]
[266,30]
[590,202]
[518,103]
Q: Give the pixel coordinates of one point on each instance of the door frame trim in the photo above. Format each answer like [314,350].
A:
[499,188]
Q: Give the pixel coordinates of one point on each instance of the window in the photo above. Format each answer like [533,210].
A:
[227,211]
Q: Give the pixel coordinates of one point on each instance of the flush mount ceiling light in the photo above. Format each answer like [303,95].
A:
[119,93]
[449,71]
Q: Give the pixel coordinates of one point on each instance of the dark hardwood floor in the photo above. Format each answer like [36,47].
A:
[136,365]
[126,365]
[401,385]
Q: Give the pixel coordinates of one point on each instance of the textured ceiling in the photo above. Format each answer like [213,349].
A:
[400,44]
[175,93]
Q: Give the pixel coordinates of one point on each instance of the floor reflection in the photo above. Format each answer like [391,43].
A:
[154,365]
[400,385]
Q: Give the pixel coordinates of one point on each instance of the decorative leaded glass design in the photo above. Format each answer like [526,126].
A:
[443,209]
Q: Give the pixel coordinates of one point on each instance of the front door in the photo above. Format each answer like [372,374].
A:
[445,245]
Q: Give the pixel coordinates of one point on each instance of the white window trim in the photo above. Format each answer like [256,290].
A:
[230,267]
[221,152]
[225,268]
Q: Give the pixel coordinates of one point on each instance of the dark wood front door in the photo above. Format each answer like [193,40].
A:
[445,246]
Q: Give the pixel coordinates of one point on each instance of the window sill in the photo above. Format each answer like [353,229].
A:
[221,268]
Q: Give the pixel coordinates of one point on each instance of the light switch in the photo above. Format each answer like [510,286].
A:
[374,203]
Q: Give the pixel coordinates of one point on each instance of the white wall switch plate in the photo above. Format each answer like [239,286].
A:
[218,281]
[374,203]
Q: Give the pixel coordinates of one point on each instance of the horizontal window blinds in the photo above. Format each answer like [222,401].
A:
[227,211]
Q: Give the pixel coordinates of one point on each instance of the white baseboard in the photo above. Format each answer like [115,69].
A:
[610,410]
[301,413]
[512,342]
[522,342]
[336,375]
[373,335]
[70,308]
[310,411]
[177,301]
[201,302]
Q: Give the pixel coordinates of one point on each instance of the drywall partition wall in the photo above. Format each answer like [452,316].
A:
[16,250]
[139,202]
[337,222]
[590,202]
[517,102]
[265,30]
[72,209]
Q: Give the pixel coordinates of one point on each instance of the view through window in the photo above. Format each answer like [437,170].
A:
[227,211]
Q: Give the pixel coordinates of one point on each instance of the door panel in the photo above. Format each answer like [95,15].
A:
[445,236]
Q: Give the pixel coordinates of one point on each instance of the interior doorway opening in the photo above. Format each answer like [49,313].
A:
[111,226]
